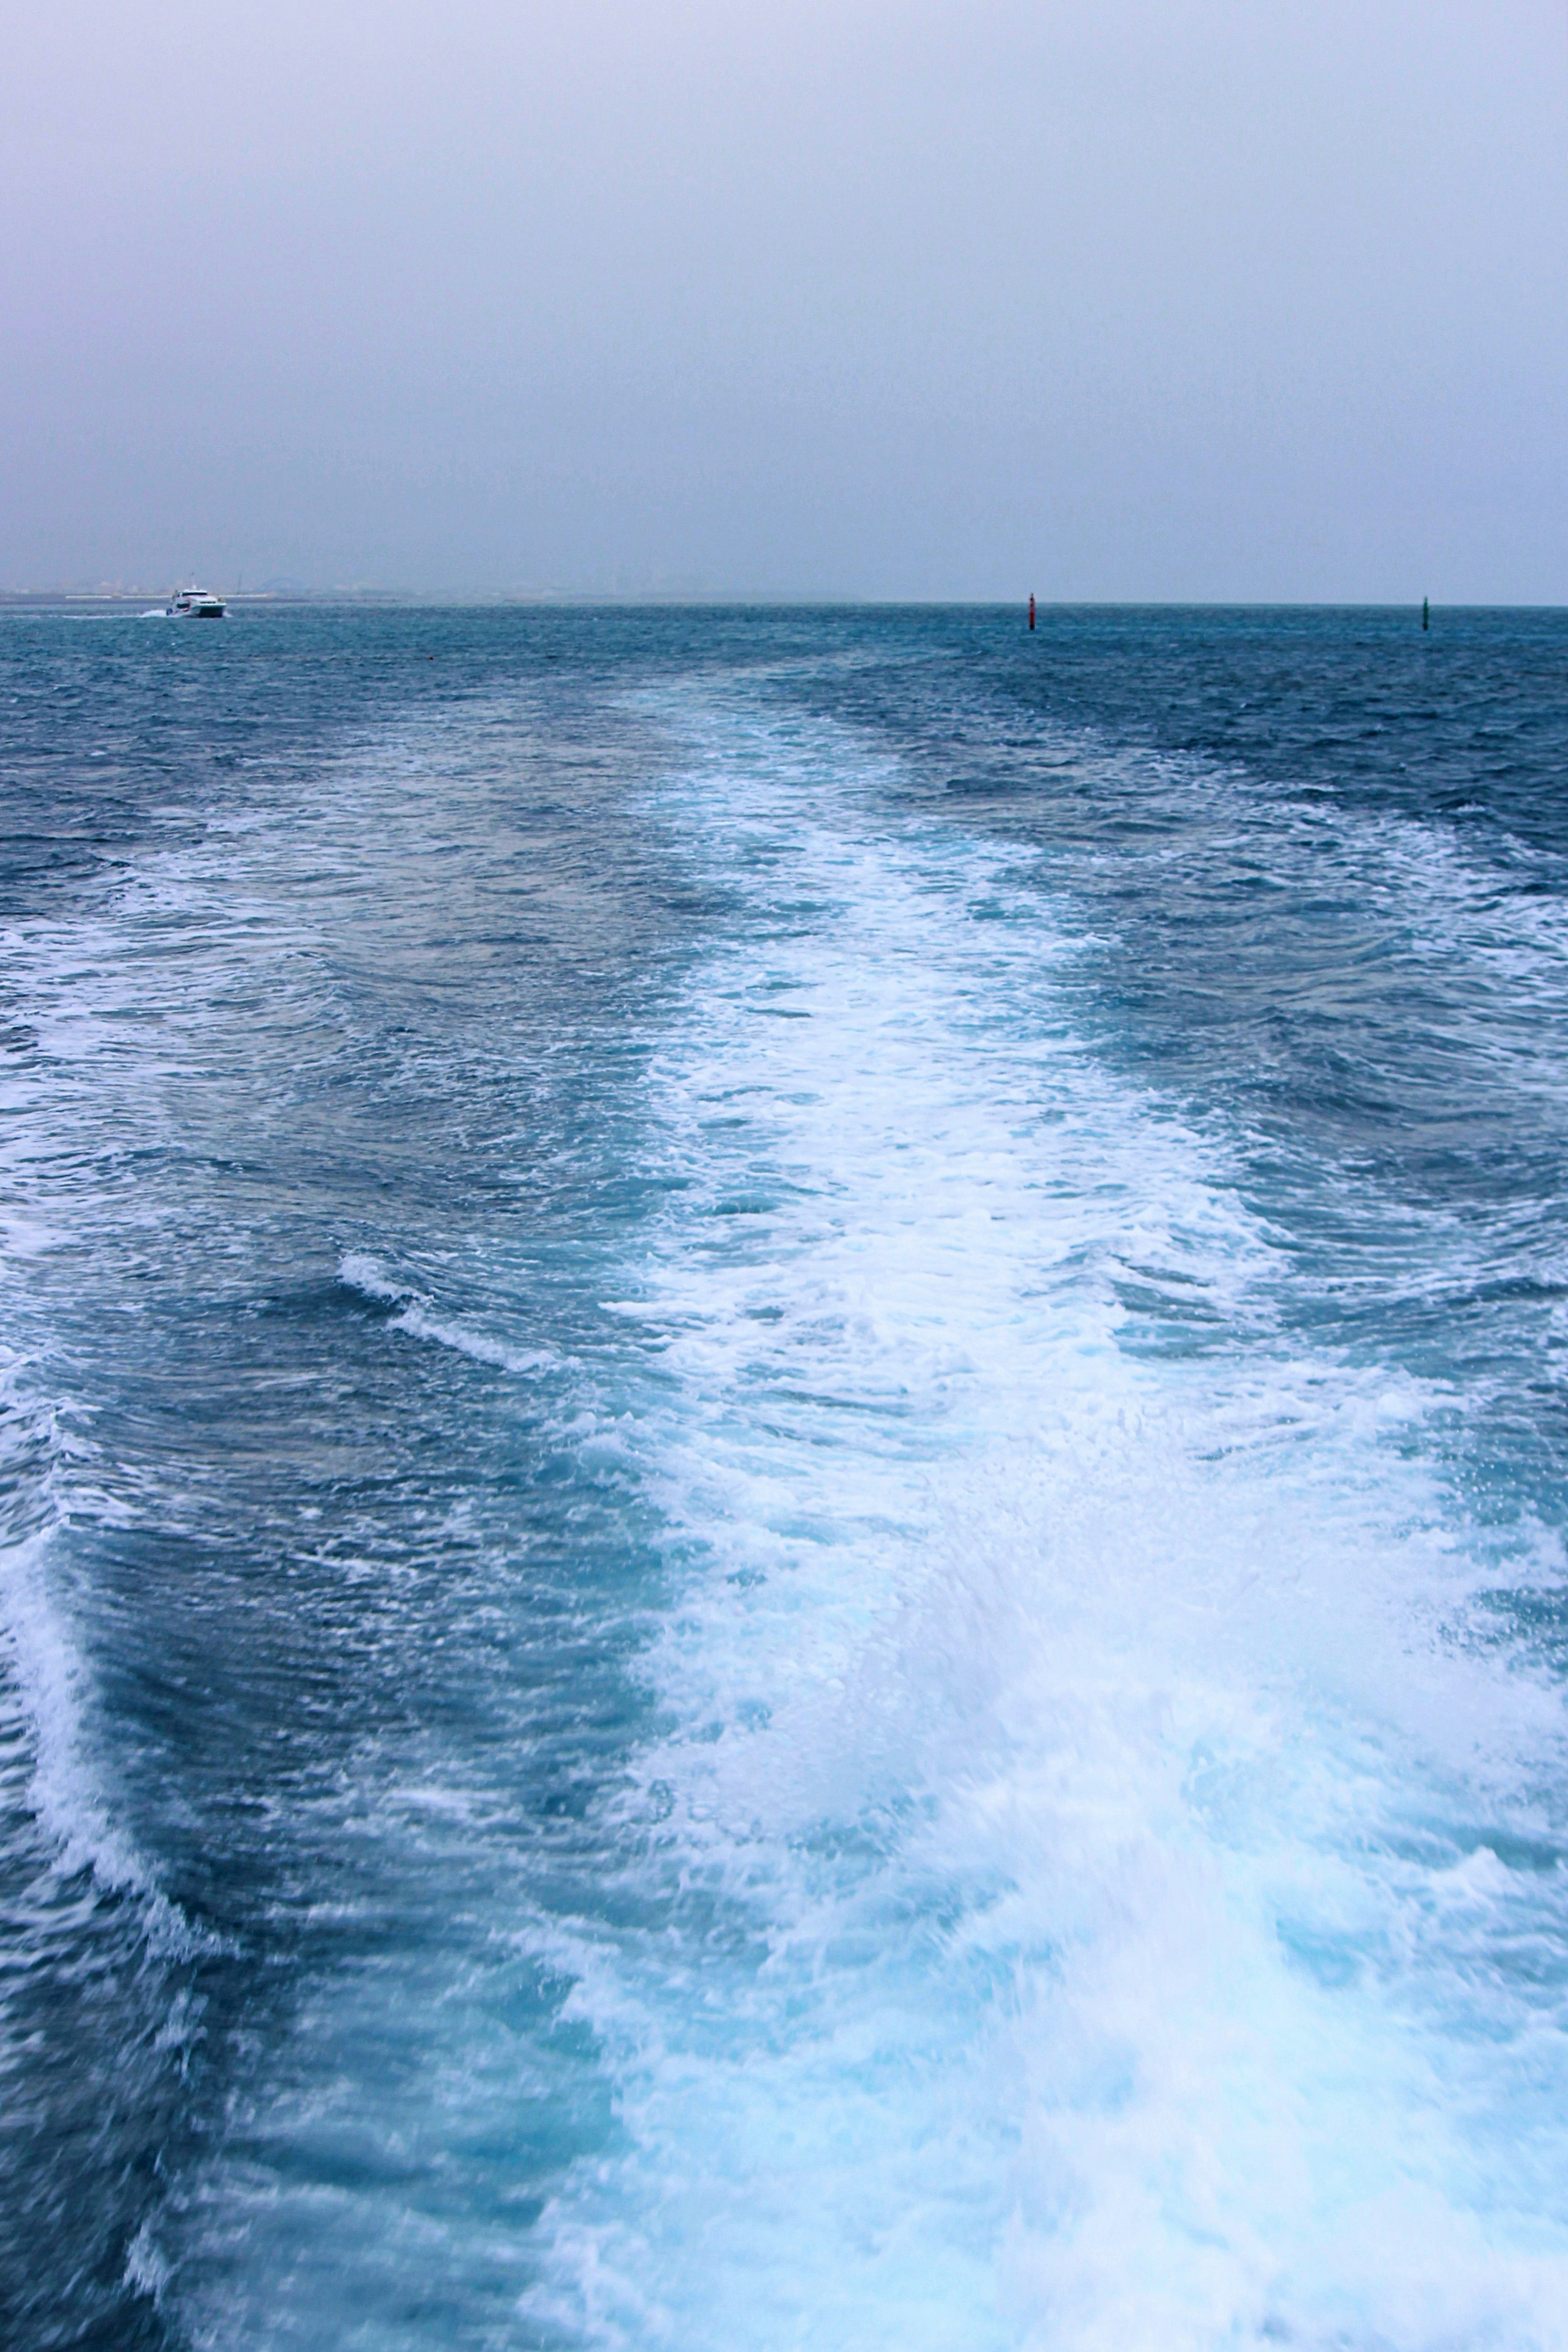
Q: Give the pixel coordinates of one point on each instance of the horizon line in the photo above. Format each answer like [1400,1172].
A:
[694,599]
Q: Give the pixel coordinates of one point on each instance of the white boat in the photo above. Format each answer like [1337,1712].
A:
[195,605]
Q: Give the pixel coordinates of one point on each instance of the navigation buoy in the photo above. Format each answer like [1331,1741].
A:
[1425,614]
[1031,612]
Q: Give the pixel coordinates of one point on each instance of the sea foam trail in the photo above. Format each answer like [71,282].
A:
[1106,1901]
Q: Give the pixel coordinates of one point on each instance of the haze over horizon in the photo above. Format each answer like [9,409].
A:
[1189,302]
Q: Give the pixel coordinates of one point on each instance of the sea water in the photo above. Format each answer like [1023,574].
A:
[783,1397]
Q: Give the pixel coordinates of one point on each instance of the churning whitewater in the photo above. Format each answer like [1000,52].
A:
[783,1419]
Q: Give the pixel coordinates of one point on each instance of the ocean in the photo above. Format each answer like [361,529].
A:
[781,1416]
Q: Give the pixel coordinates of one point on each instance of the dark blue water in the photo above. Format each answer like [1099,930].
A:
[782,1398]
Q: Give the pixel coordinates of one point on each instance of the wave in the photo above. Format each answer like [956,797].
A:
[364,1274]
[63,1789]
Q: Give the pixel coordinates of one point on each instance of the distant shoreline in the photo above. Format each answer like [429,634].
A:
[549,599]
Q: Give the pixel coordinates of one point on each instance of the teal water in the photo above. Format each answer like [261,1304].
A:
[782,1408]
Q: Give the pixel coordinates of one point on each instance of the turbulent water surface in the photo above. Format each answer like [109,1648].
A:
[781,1414]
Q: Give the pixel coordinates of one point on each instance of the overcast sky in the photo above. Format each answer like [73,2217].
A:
[1099,297]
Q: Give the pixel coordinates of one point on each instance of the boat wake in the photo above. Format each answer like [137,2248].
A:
[1082,1878]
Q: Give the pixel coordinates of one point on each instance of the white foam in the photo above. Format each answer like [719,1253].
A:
[1078,1748]
[362,1273]
[478,1344]
[147,2268]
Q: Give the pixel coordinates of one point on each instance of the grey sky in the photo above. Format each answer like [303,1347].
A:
[1124,299]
